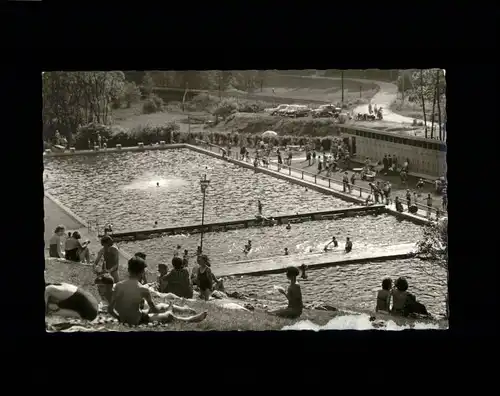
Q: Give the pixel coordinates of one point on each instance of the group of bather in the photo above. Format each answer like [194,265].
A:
[130,301]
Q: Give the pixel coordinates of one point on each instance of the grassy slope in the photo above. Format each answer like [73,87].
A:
[219,319]
[414,110]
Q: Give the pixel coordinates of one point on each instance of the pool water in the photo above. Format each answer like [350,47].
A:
[121,189]
[223,247]
[354,285]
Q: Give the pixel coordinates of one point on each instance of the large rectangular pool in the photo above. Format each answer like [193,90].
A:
[121,189]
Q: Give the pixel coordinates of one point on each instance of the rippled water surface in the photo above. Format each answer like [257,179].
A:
[354,285]
[221,247]
[120,188]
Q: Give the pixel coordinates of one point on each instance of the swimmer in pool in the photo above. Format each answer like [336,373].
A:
[129,294]
[157,184]
[288,226]
[335,244]
[248,247]
[64,299]
[156,224]
[303,269]
[286,251]
[348,245]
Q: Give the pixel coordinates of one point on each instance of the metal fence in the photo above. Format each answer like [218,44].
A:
[330,182]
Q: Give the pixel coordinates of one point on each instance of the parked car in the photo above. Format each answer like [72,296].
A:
[275,110]
[296,111]
[326,110]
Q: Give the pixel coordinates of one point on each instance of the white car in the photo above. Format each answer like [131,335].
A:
[275,110]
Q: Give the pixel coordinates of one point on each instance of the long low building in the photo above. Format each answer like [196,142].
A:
[427,156]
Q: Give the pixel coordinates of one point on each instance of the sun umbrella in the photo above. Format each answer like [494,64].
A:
[269,134]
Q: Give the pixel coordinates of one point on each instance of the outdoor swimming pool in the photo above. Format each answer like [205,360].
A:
[120,188]
[221,247]
[354,285]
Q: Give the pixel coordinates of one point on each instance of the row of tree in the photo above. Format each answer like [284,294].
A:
[71,99]
[426,86]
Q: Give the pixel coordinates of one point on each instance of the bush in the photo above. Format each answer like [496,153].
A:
[149,134]
[89,132]
[131,94]
[149,107]
[158,101]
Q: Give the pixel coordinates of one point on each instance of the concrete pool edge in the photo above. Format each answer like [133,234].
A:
[124,255]
[278,264]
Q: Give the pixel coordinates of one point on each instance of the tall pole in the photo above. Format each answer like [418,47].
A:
[342,79]
[204,184]
[202,221]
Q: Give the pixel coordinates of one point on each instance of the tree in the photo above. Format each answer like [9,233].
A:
[74,98]
[433,248]
[131,94]
[147,84]
[424,85]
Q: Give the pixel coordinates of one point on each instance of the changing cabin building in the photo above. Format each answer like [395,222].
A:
[427,156]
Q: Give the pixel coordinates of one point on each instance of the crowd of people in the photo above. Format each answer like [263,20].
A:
[130,301]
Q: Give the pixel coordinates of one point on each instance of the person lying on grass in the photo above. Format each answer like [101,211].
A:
[64,299]
[294,296]
[129,294]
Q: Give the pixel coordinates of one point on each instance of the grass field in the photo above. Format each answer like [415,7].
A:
[414,110]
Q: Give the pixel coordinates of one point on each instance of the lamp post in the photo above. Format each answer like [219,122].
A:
[204,184]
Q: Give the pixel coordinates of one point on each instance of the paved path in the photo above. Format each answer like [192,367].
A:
[315,260]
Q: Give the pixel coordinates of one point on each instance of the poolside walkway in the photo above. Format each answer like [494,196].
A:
[315,260]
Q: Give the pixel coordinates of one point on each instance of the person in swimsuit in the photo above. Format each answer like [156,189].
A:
[259,206]
[294,296]
[142,255]
[248,247]
[348,245]
[64,299]
[55,243]
[399,296]
[384,296]
[288,226]
[335,244]
[162,277]
[111,256]
[177,280]
[128,295]
[75,250]
[286,251]
[203,277]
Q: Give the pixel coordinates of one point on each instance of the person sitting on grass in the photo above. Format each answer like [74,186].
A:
[142,255]
[66,300]
[177,280]
[203,277]
[129,294]
[162,277]
[56,242]
[75,250]
[384,296]
[105,284]
[293,295]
